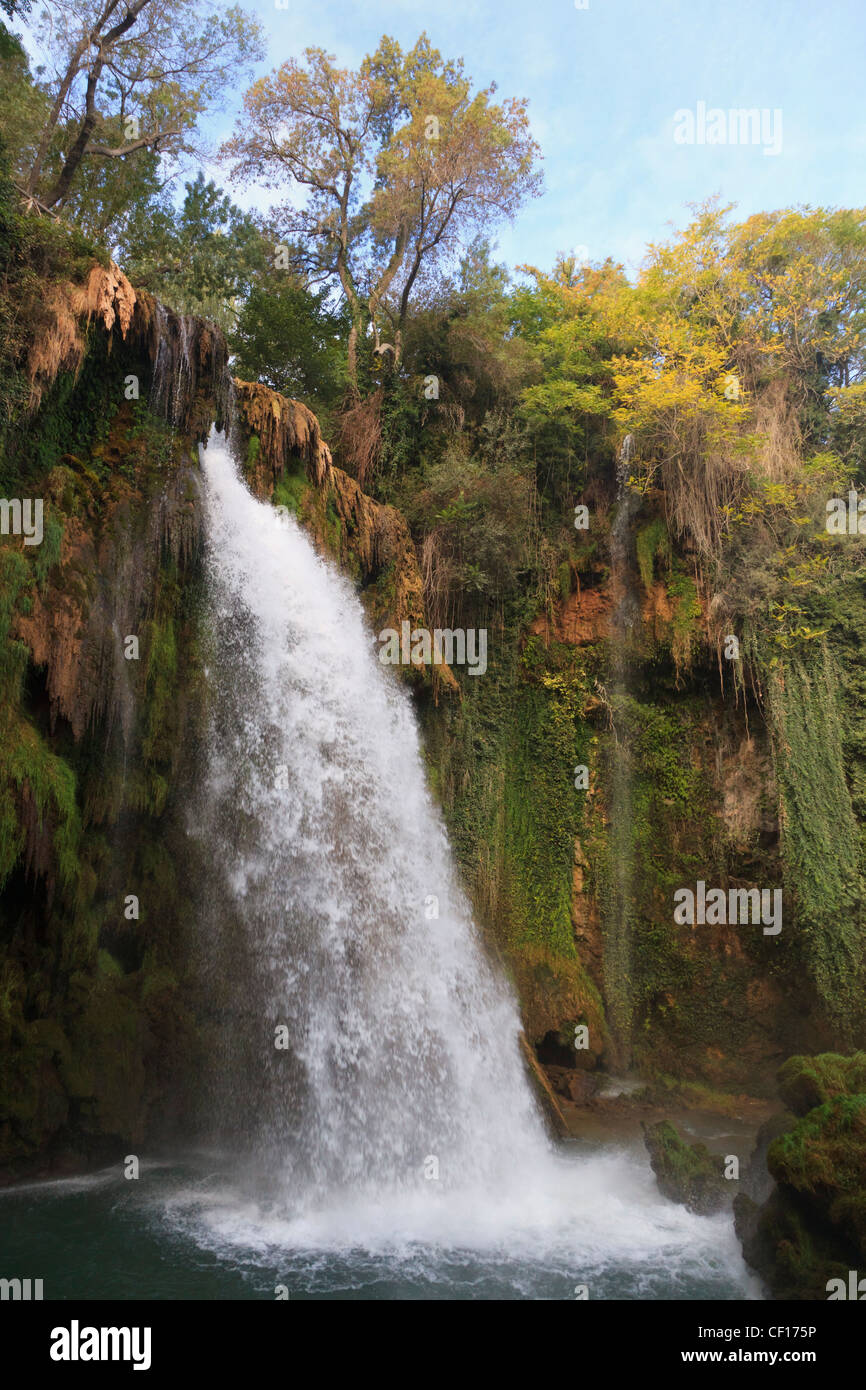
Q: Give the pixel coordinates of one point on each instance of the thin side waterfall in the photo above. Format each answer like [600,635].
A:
[348,929]
[626,615]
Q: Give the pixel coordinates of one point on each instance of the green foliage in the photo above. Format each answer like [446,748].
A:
[287,337]
[821,839]
[542,809]
[475,512]
[683,593]
[204,258]
[651,543]
[23,106]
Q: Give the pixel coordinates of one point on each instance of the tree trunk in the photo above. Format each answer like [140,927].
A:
[73,159]
[54,116]
[353,362]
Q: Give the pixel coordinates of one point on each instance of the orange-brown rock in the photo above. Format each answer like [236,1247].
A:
[59,345]
[285,427]
[581,618]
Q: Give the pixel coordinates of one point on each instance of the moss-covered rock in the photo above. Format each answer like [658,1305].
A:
[812,1228]
[795,1258]
[686,1173]
[807,1082]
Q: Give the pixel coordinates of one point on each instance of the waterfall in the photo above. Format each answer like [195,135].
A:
[349,930]
[625,620]
[395,1143]
[393,1148]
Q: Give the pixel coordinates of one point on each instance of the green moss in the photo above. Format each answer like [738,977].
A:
[47,555]
[503,760]
[291,490]
[15,583]
[821,843]
[652,542]
[685,621]
[807,1082]
[254,448]
[564,578]
[686,1173]
[107,966]
[333,525]
[28,769]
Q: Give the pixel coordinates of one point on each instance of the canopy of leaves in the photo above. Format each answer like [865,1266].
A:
[124,78]
[290,339]
[201,259]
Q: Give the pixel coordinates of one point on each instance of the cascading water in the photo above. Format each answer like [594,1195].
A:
[626,616]
[402,1043]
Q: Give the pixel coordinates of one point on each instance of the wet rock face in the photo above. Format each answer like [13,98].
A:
[101,709]
[577,1086]
[368,539]
[811,1229]
[686,1173]
[103,586]
[186,357]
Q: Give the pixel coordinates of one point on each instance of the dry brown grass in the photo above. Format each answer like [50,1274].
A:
[360,437]
[438,581]
[58,342]
[701,474]
[776,420]
[699,481]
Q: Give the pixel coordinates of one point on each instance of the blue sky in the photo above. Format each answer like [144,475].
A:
[604,84]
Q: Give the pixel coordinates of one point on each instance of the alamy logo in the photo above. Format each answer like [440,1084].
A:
[419,647]
[846,518]
[737,907]
[855,1290]
[22,517]
[739,126]
[76,1343]
[21,1289]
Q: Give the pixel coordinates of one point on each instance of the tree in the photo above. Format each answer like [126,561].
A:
[11,8]
[568,405]
[461,331]
[23,107]
[288,338]
[399,160]
[126,77]
[202,259]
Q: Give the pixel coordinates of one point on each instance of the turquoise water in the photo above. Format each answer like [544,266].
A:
[191,1231]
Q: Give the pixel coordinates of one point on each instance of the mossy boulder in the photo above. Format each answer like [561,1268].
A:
[793,1255]
[812,1227]
[823,1159]
[686,1173]
[807,1082]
